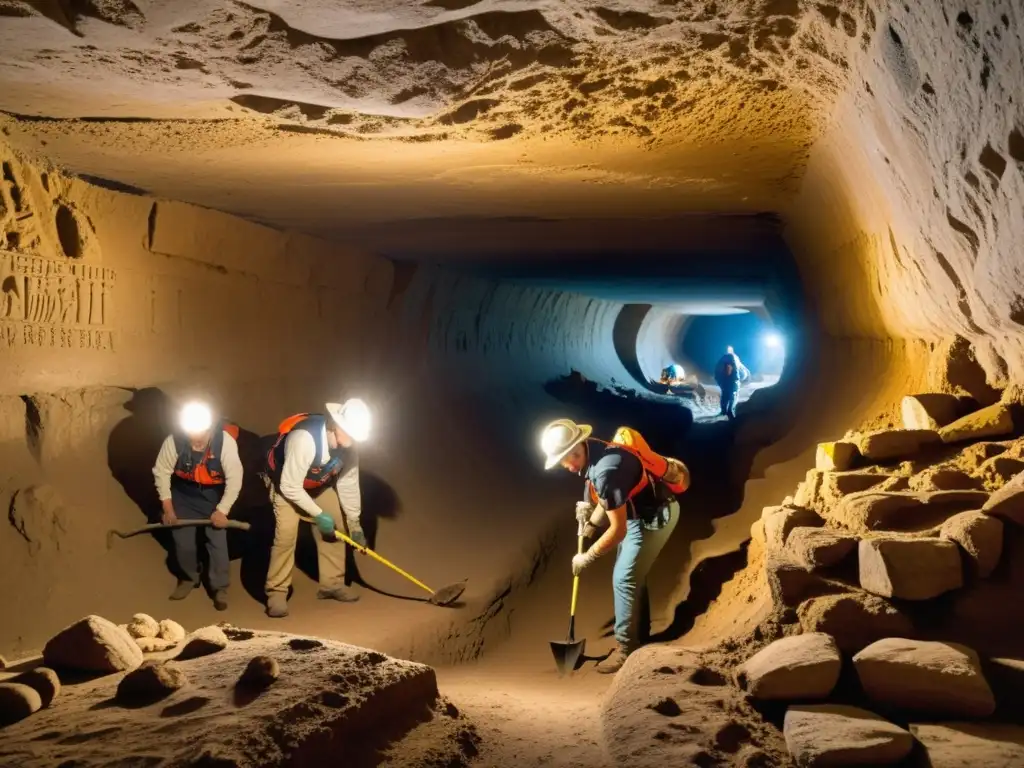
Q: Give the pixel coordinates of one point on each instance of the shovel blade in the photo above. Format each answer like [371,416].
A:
[448,595]
[566,654]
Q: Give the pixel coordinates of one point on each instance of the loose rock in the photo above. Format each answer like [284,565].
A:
[43,681]
[971,745]
[895,443]
[203,642]
[993,421]
[815,548]
[929,411]
[143,625]
[154,644]
[830,734]
[835,485]
[152,681]
[17,702]
[999,470]
[944,480]
[171,630]
[1008,501]
[980,536]
[789,584]
[92,644]
[939,679]
[854,620]
[778,526]
[909,569]
[793,668]
[836,456]
[260,672]
[882,510]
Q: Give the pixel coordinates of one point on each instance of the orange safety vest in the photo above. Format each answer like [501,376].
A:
[318,475]
[655,466]
[209,470]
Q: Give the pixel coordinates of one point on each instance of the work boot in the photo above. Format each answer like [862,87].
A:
[341,594]
[613,663]
[220,599]
[277,605]
[183,590]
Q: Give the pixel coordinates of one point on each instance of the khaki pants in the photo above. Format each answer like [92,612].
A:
[330,555]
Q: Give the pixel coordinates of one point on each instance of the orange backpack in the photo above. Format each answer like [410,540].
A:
[654,463]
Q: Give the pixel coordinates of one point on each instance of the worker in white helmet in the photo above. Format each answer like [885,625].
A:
[198,477]
[640,510]
[315,452]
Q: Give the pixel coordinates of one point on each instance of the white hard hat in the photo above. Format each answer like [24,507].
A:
[195,418]
[560,437]
[353,416]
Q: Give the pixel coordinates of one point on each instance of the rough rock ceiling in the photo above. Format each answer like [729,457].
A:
[308,114]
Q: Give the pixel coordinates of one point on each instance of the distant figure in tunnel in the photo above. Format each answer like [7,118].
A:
[198,477]
[672,374]
[314,452]
[633,489]
[729,374]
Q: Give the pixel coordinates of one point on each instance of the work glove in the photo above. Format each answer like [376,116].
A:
[584,509]
[357,535]
[325,523]
[582,561]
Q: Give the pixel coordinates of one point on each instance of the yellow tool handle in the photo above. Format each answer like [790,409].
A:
[382,561]
[576,580]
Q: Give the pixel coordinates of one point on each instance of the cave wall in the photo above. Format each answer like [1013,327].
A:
[115,305]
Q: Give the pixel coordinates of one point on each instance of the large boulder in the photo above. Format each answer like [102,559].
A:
[836,456]
[153,681]
[980,536]
[43,681]
[895,443]
[92,644]
[815,548]
[883,510]
[17,702]
[1008,501]
[855,620]
[909,569]
[993,421]
[778,526]
[203,642]
[794,668]
[938,679]
[929,411]
[819,735]
[971,745]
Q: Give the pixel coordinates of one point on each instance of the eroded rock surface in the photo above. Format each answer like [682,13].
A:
[821,735]
[793,669]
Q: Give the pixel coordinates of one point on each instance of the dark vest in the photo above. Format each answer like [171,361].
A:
[320,473]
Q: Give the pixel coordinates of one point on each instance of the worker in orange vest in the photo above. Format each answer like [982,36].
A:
[198,477]
[633,490]
[315,452]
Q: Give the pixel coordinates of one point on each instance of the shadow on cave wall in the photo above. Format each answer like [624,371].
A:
[719,465]
[132,449]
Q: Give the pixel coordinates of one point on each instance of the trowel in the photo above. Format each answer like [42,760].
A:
[568,653]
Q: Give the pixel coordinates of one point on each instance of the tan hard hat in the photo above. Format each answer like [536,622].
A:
[560,437]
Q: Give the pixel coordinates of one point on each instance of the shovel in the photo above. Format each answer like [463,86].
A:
[153,527]
[568,653]
[444,596]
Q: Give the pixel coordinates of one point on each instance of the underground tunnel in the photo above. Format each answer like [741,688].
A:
[478,218]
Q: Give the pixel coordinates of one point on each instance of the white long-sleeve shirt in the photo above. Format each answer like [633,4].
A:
[167,460]
[299,453]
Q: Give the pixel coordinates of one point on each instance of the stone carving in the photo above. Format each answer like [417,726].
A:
[48,303]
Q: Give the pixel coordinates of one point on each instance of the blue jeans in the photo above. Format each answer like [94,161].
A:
[633,561]
[199,507]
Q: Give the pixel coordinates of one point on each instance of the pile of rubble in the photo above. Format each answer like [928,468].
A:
[147,692]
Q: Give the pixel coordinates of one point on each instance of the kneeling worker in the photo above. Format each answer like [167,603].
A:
[640,509]
[198,477]
[314,452]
